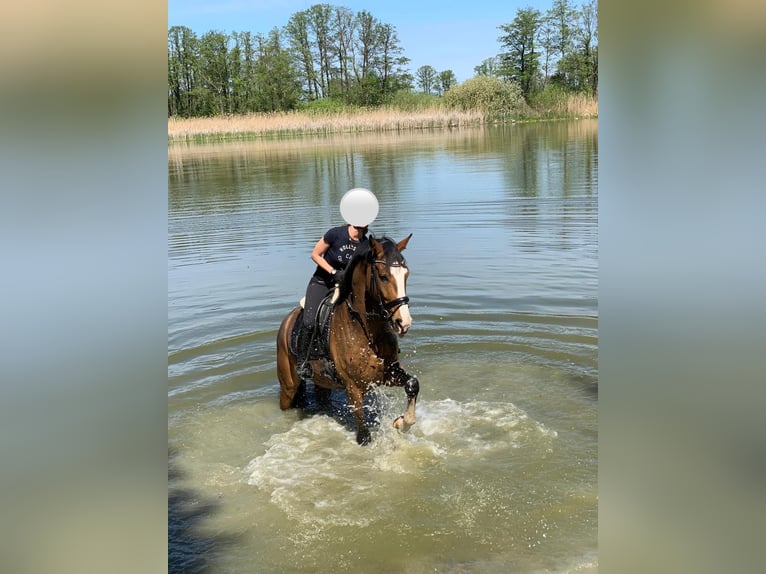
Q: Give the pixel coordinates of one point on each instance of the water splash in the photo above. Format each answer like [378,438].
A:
[318,476]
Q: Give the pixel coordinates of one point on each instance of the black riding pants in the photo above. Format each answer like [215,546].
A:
[315,292]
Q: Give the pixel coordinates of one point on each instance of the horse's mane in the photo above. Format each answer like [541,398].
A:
[364,253]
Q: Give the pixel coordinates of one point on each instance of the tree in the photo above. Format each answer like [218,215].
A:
[214,71]
[278,87]
[521,61]
[183,71]
[488,67]
[371,37]
[587,36]
[545,40]
[344,28]
[444,81]
[319,16]
[562,19]
[298,34]
[426,78]
[391,62]
[174,72]
[246,87]
[236,81]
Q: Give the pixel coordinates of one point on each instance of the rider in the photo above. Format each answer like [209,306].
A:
[333,251]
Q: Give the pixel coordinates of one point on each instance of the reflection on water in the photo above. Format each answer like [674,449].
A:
[500,471]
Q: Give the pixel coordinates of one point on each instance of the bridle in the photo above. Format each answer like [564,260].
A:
[388,308]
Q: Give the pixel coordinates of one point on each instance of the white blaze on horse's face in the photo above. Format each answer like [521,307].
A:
[404,320]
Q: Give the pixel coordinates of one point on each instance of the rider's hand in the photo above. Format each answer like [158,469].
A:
[337,277]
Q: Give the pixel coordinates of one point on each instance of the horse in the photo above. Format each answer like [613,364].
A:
[362,348]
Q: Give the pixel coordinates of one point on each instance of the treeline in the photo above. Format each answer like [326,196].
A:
[322,52]
[553,49]
[331,54]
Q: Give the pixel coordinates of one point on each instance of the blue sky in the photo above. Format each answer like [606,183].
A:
[447,35]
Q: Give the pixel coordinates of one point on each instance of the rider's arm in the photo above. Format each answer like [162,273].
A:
[317,254]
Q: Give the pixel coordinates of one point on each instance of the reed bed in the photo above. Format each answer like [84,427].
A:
[380,120]
[303,123]
[568,106]
[582,106]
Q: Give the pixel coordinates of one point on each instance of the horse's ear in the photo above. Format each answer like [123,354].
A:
[376,249]
[403,243]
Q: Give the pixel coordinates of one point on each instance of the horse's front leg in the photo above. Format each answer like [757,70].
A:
[356,401]
[400,377]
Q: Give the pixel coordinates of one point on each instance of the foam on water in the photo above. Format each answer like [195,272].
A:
[479,425]
[309,470]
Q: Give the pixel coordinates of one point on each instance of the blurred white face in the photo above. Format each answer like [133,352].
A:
[404,321]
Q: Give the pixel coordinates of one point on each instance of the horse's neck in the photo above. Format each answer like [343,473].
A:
[356,303]
[361,308]
[358,298]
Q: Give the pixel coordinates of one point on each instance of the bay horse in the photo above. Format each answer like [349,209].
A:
[362,346]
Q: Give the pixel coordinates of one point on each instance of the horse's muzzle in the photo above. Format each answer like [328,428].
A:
[403,322]
[399,311]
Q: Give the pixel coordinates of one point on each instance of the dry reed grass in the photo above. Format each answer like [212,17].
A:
[581,106]
[264,149]
[286,123]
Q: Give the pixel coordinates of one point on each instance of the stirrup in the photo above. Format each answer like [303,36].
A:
[305,371]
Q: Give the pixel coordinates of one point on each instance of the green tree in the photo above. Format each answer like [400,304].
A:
[426,78]
[392,73]
[183,72]
[344,28]
[246,82]
[545,39]
[587,39]
[562,20]
[521,59]
[444,81]
[236,81]
[368,43]
[488,67]
[214,71]
[297,30]
[319,16]
[278,87]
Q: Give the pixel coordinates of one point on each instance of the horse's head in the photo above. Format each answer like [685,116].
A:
[388,273]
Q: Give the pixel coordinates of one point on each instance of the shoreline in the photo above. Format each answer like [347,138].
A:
[294,124]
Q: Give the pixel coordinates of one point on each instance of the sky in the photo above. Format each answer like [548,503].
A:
[443,34]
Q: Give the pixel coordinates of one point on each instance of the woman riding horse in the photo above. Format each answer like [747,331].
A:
[362,346]
[331,254]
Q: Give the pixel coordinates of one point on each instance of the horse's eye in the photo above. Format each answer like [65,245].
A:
[384,278]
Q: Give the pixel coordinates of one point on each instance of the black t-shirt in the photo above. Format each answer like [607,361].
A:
[342,248]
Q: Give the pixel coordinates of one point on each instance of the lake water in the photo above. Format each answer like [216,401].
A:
[499,474]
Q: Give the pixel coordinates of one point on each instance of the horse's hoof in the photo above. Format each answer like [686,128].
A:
[400,424]
[363,437]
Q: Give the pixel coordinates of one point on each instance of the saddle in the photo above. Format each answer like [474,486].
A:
[320,347]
